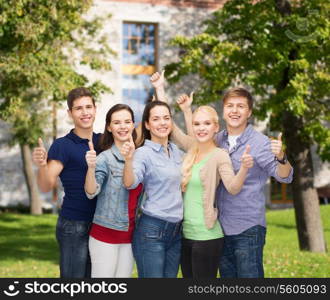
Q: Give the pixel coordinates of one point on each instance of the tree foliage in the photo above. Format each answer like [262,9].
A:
[41,44]
[279,49]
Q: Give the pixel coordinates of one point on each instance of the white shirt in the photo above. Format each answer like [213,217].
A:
[232,139]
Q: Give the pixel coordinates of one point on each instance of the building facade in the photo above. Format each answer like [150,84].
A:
[139,32]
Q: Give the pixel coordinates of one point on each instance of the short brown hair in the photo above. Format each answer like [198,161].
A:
[238,92]
[78,93]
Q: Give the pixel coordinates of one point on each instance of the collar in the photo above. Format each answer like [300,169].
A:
[155,146]
[246,134]
[115,151]
[77,139]
[243,136]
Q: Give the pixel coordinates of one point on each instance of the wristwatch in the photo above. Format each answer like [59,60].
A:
[282,161]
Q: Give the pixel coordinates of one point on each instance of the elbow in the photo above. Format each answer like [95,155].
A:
[128,181]
[127,185]
[45,189]
[233,191]
[92,191]
[285,177]
[45,186]
[90,195]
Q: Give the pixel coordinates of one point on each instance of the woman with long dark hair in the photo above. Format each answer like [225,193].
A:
[114,218]
[157,165]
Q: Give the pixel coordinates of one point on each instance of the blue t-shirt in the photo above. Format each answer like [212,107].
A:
[70,150]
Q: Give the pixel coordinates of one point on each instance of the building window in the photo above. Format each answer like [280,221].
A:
[138,63]
[281,193]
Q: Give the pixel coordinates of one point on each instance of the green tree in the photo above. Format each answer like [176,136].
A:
[281,50]
[41,44]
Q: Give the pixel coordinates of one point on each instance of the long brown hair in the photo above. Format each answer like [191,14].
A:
[107,140]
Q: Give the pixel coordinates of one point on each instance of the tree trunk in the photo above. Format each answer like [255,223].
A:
[34,196]
[305,198]
[54,118]
[306,202]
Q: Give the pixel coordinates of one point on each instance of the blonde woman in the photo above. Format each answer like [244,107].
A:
[204,166]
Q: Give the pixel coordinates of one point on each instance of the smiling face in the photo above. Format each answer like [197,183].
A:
[236,113]
[83,113]
[121,125]
[159,123]
[204,126]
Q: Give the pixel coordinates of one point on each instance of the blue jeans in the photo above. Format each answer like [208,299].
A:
[157,247]
[72,237]
[242,255]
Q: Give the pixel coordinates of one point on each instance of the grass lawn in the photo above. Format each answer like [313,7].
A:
[28,247]
[282,257]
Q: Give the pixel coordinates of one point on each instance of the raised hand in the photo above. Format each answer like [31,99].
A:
[128,149]
[91,156]
[185,101]
[39,154]
[157,80]
[276,147]
[246,158]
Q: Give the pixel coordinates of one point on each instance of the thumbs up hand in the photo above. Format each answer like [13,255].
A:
[39,154]
[185,101]
[276,147]
[91,156]
[128,149]
[246,158]
[157,80]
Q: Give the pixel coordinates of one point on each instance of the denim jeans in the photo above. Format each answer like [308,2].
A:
[242,255]
[72,237]
[157,247]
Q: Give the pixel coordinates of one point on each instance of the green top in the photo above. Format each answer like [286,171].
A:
[193,213]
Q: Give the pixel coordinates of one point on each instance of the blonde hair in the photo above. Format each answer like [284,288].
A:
[191,155]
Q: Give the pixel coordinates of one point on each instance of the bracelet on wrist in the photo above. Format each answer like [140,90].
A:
[282,161]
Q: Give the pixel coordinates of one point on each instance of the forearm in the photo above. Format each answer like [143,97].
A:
[128,176]
[283,170]
[181,139]
[236,183]
[44,180]
[160,94]
[188,121]
[138,130]
[90,181]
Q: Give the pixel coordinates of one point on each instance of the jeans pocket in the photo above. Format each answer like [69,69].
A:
[65,227]
[151,232]
[82,228]
[254,236]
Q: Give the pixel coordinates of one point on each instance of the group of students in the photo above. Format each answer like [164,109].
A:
[158,196]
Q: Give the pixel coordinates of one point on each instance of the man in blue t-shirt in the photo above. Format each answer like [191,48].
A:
[66,159]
